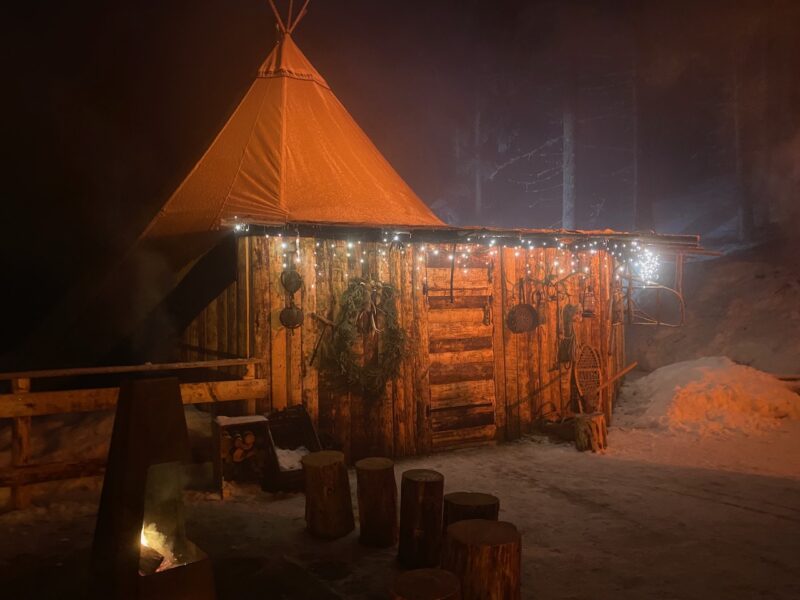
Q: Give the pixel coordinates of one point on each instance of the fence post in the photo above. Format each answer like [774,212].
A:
[20,446]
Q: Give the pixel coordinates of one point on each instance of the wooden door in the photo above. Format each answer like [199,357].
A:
[460,344]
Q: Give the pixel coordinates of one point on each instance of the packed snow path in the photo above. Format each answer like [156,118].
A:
[611,526]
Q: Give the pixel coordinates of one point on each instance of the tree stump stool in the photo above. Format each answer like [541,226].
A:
[426,584]
[460,506]
[377,502]
[485,556]
[329,508]
[421,494]
[590,432]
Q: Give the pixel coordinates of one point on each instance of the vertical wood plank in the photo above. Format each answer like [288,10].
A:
[311,328]
[244,323]
[210,330]
[278,257]
[524,354]
[20,446]
[326,419]
[405,431]
[498,342]
[341,399]
[222,325]
[261,309]
[232,333]
[511,297]
[421,349]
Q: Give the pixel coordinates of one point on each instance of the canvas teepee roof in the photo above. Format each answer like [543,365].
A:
[290,153]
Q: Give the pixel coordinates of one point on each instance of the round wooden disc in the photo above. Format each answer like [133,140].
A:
[322,458]
[374,463]
[423,475]
[426,584]
[480,532]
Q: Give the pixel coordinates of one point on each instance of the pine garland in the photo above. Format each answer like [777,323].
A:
[367,307]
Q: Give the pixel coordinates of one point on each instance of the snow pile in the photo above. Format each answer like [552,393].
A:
[711,395]
[291,460]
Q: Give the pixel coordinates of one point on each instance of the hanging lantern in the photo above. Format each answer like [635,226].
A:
[588,302]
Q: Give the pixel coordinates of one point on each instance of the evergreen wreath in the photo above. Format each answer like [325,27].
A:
[367,307]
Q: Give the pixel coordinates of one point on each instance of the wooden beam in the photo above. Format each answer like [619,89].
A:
[36,404]
[176,366]
[19,476]
[20,444]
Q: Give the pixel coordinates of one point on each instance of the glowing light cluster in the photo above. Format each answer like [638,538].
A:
[566,256]
[647,264]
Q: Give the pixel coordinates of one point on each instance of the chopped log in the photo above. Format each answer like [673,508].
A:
[377,502]
[485,556]
[426,584]
[329,509]
[421,497]
[149,560]
[461,506]
[590,432]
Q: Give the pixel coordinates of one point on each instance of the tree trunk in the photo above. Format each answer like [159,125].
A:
[460,506]
[743,197]
[642,193]
[590,432]
[377,502]
[478,162]
[635,137]
[568,167]
[421,518]
[329,508]
[486,557]
[426,584]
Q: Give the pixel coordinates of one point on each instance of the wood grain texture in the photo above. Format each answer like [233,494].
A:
[486,556]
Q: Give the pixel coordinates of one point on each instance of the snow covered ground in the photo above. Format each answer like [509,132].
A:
[660,515]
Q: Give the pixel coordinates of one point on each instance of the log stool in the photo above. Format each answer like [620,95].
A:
[426,584]
[460,506]
[377,502]
[590,432]
[421,492]
[485,556]
[329,509]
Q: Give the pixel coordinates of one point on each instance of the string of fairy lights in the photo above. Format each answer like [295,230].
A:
[568,255]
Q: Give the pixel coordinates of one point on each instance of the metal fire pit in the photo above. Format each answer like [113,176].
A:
[140,546]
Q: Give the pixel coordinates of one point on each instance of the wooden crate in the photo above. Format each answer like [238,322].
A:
[244,463]
[287,429]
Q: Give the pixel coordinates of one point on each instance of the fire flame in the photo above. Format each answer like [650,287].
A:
[151,537]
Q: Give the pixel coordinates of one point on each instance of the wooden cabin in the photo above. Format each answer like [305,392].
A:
[291,184]
[464,377]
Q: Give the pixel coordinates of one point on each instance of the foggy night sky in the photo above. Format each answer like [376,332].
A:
[112,104]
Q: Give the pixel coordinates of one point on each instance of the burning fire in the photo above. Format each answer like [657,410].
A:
[158,543]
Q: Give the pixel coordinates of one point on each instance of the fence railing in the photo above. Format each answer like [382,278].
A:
[22,404]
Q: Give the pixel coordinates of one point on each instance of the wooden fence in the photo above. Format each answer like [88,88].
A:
[22,404]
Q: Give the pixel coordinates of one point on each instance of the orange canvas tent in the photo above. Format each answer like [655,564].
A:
[289,153]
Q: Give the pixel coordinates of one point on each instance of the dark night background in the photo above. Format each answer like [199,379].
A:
[111,104]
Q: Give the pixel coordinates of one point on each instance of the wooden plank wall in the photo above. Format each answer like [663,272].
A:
[528,382]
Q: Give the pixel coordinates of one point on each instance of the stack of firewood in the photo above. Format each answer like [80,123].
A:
[238,446]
